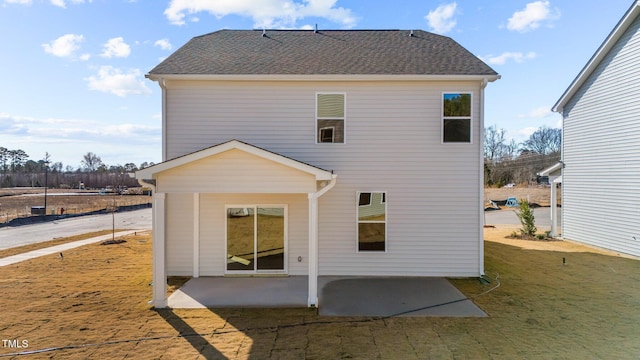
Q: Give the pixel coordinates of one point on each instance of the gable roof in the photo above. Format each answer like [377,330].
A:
[150,172]
[611,40]
[326,52]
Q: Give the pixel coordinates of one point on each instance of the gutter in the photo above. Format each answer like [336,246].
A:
[326,77]
[329,186]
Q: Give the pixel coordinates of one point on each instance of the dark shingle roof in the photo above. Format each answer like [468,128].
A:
[327,52]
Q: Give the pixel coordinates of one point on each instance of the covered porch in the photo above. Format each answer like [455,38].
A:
[338,295]
[203,202]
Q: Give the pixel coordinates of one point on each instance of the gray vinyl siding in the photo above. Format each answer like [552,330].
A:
[601,178]
[179,234]
[393,144]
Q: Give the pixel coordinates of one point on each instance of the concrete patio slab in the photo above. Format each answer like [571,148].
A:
[394,296]
[338,296]
[241,292]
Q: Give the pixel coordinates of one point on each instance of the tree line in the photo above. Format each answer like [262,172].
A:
[512,162]
[17,170]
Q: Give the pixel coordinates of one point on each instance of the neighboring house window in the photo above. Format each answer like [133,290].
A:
[372,221]
[456,118]
[330,117]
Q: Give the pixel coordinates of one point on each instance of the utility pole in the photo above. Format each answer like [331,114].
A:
[46,180]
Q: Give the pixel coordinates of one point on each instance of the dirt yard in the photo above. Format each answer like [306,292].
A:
[93,304]
[535,195]
[17,203]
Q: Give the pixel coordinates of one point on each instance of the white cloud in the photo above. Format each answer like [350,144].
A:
[64,46]
[67,139]
[269,14]
[21,2]
[164,44]
[116,47]
[506,56]
[118,82]
[530,18]
[441,20]
[62,3]
[522,134]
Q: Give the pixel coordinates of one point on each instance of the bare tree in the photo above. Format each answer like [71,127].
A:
[544,141]
[91,162]
[494,143]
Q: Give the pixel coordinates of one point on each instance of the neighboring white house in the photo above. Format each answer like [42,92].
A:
[554,173]
[319,153]
[601,144]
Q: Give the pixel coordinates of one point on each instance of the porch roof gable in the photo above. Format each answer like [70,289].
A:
[152,171]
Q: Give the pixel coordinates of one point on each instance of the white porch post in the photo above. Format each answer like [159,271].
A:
[158,245]
[196,235]
[313,250]
[554,209]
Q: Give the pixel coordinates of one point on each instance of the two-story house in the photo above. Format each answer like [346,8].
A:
[312,153]
[601,143]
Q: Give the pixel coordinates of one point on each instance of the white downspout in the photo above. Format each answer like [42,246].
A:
[313,241]
[483,85]
[163,86]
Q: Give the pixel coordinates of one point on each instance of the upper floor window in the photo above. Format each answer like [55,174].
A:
[330,117]
[456,118]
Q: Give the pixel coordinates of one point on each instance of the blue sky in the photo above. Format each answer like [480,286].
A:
[73,70]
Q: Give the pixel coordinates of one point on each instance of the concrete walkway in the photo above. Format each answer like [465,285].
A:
[60,248]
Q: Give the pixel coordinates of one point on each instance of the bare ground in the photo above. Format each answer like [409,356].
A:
[93,304]
[17,203]
[540,195]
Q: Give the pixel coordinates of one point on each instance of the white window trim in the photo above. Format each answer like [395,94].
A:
[333,133]
[344,119]
[442,118]
[255,239]
[386,221]
[370,198]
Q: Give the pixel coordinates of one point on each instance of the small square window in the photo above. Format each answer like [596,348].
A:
[364,199]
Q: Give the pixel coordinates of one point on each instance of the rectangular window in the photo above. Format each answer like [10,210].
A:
[330,117]
[372,221]
[456,118]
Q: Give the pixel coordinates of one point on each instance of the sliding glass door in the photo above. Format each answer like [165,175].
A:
[256,239]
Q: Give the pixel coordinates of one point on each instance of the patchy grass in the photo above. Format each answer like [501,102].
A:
[94,303]
[54,242]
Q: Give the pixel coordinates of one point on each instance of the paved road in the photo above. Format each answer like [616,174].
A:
[506,217]
[141,219]
[29,234]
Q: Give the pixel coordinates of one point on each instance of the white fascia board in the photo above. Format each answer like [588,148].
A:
[277,77]
[151,171]
[599,55]
[555,167]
